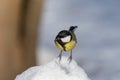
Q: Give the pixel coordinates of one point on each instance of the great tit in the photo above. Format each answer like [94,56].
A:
[66,41]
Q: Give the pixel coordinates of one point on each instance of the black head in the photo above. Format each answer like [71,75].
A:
[63,36]
[63,33]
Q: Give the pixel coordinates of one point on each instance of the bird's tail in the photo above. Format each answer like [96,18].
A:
[72,28]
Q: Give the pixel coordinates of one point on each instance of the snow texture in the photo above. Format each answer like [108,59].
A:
[55,71]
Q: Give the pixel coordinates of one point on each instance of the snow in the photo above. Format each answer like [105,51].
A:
[55,71]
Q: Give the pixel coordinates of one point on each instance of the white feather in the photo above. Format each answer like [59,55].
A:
[66,39]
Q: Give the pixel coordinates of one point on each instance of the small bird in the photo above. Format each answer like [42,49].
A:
[66,41]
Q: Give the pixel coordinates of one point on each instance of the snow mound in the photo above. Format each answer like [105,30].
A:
[55,71]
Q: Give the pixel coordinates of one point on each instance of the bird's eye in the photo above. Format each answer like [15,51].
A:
[66,39]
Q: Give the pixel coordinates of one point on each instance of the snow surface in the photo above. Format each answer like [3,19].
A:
[55,71]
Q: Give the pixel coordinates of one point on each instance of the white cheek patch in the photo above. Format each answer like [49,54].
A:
[66,39]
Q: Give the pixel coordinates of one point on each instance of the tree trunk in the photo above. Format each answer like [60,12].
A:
[18,35]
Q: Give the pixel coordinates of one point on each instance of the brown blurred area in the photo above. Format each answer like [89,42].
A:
[18,36]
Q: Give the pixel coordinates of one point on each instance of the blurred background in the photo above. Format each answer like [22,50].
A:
[18,35]
[28,29]
[98,34]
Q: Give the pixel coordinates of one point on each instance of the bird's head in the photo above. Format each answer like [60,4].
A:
[64,36]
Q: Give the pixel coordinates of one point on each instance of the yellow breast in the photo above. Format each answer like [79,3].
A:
[58,45]
[68,46]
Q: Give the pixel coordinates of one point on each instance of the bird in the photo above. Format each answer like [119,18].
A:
[66,41]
